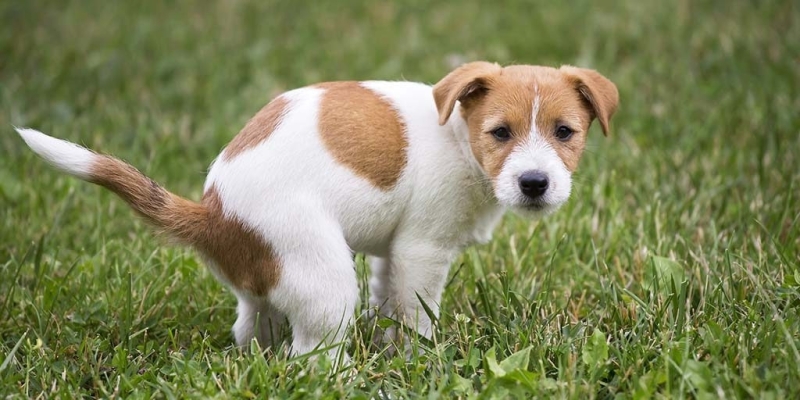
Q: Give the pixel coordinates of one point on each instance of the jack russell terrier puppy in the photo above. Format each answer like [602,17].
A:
[407,173]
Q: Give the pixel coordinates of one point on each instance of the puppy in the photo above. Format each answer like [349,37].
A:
[407,173]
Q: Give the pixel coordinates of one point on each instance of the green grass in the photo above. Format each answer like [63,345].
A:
[673,271]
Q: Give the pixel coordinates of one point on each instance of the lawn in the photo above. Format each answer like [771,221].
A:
[673,271]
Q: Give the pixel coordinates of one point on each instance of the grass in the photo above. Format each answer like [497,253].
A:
[672,272]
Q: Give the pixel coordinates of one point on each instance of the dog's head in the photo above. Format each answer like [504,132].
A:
[527,125]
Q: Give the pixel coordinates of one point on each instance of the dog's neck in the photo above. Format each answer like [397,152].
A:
[458,128]
[487,212]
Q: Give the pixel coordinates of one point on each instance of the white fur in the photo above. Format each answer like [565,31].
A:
[68,157]
[316,212]
[536,104]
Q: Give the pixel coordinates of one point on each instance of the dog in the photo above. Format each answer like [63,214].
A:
[407,173]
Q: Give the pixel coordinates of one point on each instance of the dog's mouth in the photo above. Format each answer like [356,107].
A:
[534,208]
[533,205]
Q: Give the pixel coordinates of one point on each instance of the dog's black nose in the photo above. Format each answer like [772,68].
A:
[533,184]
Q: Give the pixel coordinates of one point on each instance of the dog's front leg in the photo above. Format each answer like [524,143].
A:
[418,274]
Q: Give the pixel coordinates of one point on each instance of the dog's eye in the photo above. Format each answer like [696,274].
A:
[502,134]
[563,133]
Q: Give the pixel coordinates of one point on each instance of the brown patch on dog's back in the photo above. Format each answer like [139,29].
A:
[257,129]
[246,260]
[364,132]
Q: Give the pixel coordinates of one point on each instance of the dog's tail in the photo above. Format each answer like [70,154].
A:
[179,218]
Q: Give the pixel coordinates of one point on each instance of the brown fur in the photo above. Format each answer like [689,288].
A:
[174,215]
[237,252]
[257,129]
[560,103]
[364,132]
[599,92]
[469,79]
[568,96]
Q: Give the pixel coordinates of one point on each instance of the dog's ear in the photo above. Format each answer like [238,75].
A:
[466,81]
[600,93]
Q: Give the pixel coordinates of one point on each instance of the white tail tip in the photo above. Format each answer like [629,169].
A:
[66,156]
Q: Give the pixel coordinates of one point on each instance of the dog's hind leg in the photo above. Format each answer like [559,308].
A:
[317,289]
[258,319]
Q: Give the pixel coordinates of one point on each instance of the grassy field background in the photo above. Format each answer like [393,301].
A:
[673,271]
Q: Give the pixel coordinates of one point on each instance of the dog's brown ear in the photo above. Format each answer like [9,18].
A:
[468,80]
[599,92]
